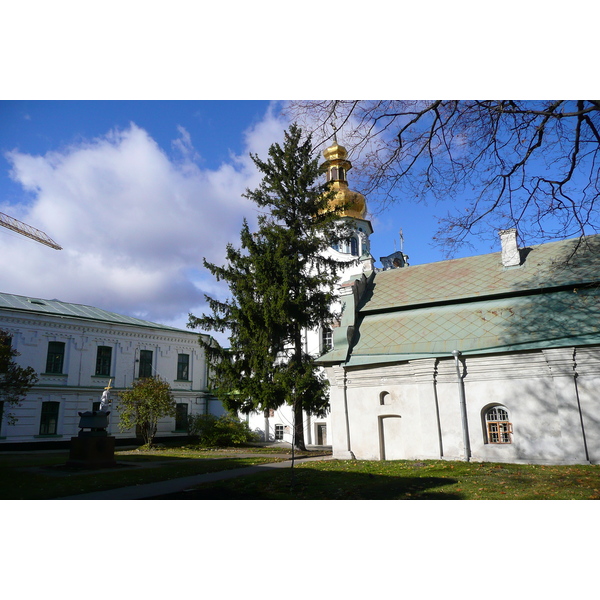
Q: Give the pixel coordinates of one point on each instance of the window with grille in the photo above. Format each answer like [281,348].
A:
[49,418]
[145,363]
[183,366]
[56,357]
[103,359]
[498,426]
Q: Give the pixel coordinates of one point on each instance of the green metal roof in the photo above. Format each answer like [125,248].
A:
[543,266]
[475,305]
[523,322]
[78,311]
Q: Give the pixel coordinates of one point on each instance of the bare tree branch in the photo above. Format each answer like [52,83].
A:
[529,164]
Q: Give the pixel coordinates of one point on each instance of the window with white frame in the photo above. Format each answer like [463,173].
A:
[278,432]
[103,360]
[183,367]
[145,363]
[49,418]
[326,339]
[55,358]
[498,426]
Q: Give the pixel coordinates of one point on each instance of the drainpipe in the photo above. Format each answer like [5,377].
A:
[348,445]
[463,406]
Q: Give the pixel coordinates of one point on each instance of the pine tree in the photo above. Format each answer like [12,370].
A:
[281,283]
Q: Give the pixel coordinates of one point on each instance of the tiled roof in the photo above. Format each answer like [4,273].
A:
[524,322]
[66,309]
[484,276]
[475,305]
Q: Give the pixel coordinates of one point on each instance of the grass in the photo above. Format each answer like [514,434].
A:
[41,475]
[409,480]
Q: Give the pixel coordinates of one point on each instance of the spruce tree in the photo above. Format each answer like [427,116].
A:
[281,284]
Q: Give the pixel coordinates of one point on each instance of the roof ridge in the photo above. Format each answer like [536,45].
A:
[102,315]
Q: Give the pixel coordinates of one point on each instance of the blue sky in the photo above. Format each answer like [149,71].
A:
[137,193]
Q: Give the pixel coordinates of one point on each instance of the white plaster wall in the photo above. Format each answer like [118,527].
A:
[284,416]
[537,388]
[78,387]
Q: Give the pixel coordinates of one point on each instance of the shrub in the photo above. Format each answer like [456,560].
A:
[219,431]
[149,400]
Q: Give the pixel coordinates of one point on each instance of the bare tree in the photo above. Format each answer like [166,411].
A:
[533,165]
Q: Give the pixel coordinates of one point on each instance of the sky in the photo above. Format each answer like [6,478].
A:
[137,193]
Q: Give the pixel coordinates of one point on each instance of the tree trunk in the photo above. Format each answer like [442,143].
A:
[266,416]
[298,426]
[298,440]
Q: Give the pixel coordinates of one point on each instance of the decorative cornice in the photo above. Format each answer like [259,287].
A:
[108,330]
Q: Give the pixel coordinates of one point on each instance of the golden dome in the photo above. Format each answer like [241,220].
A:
[335,152]
[336,167]
[355,203]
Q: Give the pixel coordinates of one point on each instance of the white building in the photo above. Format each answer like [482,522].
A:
[487,358]
[77,350]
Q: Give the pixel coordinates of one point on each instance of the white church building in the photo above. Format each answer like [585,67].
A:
[486,358]
[77,350]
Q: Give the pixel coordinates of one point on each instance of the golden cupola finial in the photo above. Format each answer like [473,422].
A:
[337,166]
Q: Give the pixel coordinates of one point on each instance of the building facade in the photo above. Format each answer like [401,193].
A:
[486,358]
[77,351]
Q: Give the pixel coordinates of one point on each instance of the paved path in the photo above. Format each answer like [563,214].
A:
[160,488]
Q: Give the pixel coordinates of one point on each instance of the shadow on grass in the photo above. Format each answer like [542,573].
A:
[320,485]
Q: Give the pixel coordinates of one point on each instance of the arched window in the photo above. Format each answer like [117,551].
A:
[385,398]
[498,426]
[353,246]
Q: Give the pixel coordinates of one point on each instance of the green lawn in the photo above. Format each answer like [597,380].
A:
[39,475]
[410,480]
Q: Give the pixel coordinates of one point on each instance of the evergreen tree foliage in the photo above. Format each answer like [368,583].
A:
[15,381]
[281,283]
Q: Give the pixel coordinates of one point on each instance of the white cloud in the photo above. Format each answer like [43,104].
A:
[134,223]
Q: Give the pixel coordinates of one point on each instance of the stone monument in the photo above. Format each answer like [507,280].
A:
[93,448]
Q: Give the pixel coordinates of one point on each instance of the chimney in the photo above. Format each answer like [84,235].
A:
[511,257]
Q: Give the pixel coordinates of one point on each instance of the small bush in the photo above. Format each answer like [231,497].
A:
[219,431]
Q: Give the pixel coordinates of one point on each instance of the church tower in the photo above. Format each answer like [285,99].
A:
[336,167]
